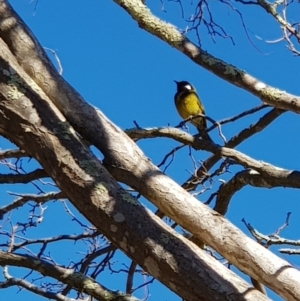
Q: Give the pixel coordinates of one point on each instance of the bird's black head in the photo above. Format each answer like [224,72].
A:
[184,86]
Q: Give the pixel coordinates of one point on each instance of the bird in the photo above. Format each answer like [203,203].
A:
[188,104]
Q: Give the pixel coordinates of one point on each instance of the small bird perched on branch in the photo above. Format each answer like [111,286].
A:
[188,105]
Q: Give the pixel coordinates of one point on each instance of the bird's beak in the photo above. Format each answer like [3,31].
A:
[176,82]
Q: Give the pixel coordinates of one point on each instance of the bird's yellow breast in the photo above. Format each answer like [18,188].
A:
[188,105]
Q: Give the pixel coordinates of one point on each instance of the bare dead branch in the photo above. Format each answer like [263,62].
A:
[39,199]
[12,153]
[203,15]
[60,68]
[23,178]
[253,178]
[268,240]
[169,154]
[290,251]
[285,225]
[240,115]
[87,261]
[68,276]
[129,282]
[74,218]
[271,9]
[145,284]
[90,257]
[46,241]
[289,29]
[11,281]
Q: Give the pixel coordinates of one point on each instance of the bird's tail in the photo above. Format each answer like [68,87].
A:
[202,129]
[204,135]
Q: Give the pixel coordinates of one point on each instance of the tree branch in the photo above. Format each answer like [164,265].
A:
[30,197]
[264,168]
[253,178]
[23,178]
[77,280]
[12,153]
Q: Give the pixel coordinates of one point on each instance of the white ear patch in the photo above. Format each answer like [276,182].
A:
[188,87]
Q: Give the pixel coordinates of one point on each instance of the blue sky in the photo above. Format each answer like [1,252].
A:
[129,74]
